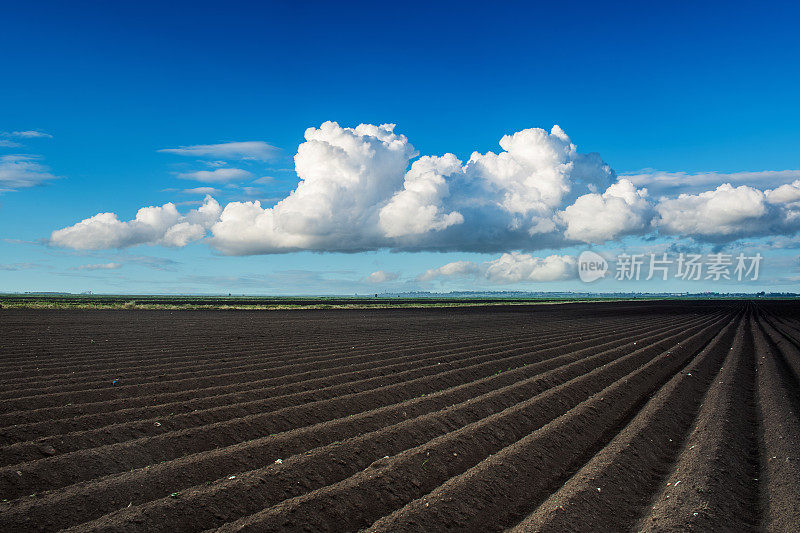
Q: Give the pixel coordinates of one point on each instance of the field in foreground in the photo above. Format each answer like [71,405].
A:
[654,416]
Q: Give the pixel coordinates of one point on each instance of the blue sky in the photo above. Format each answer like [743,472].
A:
[706,90]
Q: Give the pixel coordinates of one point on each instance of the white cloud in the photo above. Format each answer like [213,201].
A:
[516,267]
[597,218]
[220,175]
[728,213]
[256,150]
[346,174]
[785,194]
[512,267]
[21,171]
[456,269]
[5,143]
[381,276]
[724,211]
[100,266]
[417,208]
[153,225]
[29,134]
[536,171]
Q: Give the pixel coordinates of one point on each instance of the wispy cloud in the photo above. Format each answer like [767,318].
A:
[21,171]
[28,134]
[220,175]
[19,241]
[659,182]
[255,150]
[149,261]
[201,190]
[251,191]
[5,143]
[19,266]
[100,266]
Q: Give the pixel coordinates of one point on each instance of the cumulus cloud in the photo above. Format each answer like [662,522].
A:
[597,218]
[536,171]
[381,276]
[357,192]
[785,194]
[516,267]
[220,175]
[346,175]
[724,211]
[21,171]
[512,267]
[728,213]
[256,150]
[162,225]
[417,207]
[456,269]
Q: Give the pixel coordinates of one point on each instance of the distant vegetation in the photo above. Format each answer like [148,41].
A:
[405,300]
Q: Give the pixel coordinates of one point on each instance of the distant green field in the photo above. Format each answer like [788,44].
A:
[234,302]
[49,301]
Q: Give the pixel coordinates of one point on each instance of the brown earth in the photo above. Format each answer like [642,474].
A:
[640,416]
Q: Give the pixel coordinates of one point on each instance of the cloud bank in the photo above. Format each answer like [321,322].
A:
[367,188]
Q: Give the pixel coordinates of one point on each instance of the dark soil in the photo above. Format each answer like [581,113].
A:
[658,416]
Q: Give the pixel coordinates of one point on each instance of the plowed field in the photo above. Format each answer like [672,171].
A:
[651,416]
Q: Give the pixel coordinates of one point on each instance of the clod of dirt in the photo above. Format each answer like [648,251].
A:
[46,449]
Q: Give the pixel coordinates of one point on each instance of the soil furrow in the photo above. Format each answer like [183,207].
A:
[713,484]
[616,485]
[177,401]
[392,483]
[73,467]
[779,434]
[249,493]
